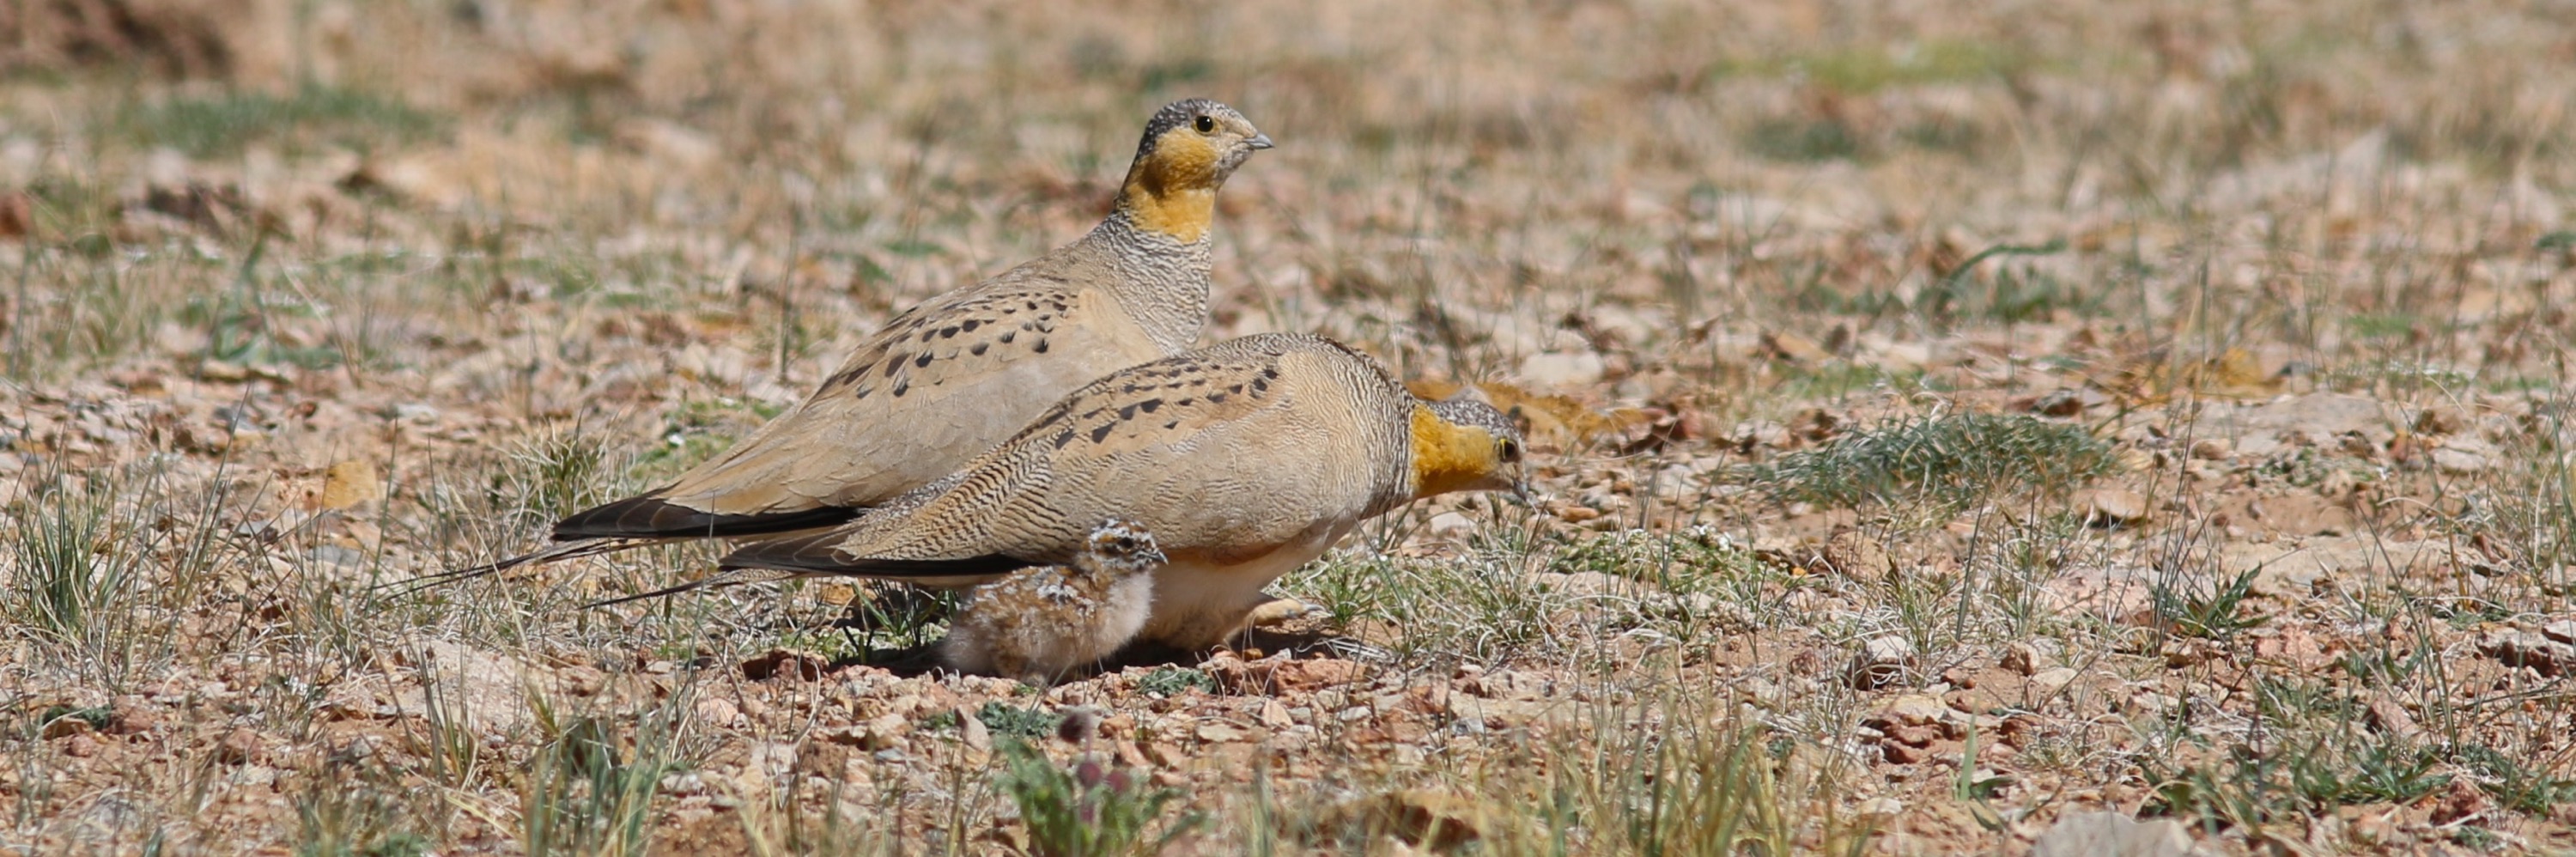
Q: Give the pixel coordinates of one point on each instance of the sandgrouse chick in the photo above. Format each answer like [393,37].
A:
[960,372]
[1041,624]
[1245,459]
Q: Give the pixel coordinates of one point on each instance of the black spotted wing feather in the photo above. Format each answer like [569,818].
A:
[962,337]
[1164,402]
[937,386]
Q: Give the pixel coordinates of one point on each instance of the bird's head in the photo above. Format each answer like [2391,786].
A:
[1125,545]
[1462,443]
[1190,147]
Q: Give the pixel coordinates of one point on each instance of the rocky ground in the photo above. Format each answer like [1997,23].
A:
[1954,430]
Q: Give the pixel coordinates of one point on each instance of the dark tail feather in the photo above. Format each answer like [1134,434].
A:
[918,576]
[653,517]
[636,522]
[558,551]
[816,555]
[727,577]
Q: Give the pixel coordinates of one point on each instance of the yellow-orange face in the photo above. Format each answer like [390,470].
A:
[1464,445]
[1190,147]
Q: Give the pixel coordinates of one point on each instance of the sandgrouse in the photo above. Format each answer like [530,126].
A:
[1245,459]
[961,371]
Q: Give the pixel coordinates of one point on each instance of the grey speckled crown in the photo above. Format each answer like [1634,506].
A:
[1177,114]
[1470,412]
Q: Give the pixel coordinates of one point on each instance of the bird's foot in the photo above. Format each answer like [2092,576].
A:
[1281,611]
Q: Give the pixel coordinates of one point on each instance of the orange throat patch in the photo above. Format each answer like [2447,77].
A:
[1447,457]
[1173,190]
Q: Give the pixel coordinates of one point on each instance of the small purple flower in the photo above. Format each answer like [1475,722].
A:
[1088,774]
[1078,726]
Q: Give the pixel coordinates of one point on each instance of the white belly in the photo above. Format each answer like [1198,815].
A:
[1198,605]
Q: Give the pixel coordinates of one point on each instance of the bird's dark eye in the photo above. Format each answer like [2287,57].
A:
[1207,124]
[1511,450]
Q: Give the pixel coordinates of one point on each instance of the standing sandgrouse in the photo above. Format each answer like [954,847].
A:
[960,372]
[1040,624]
[1245,459]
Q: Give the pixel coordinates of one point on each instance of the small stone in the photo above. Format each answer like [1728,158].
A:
[1509,684]
[1882,661]
[1451,525]
[1857,556]
[1272,675]
[2391,718]
[1760,434]
[2060,403]
[1794,348]
[2212,449]
[239,747]
[2459,462]
[1438,821]
[785,663]
[2023,658]
[1903,750]
[2462,800]
[1913,709]
[336,556]
[1588,584]
[66,726]
[886,730]
[351,483]
[133,718]
[2114,506]
[2320,414]
[971,730]
[2519,648]
[717,711]
[413,412]
[2439,421]
[2052,680]
[1563,369]
[684,783]
[1219,731]
[2111,834]
[82,745]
